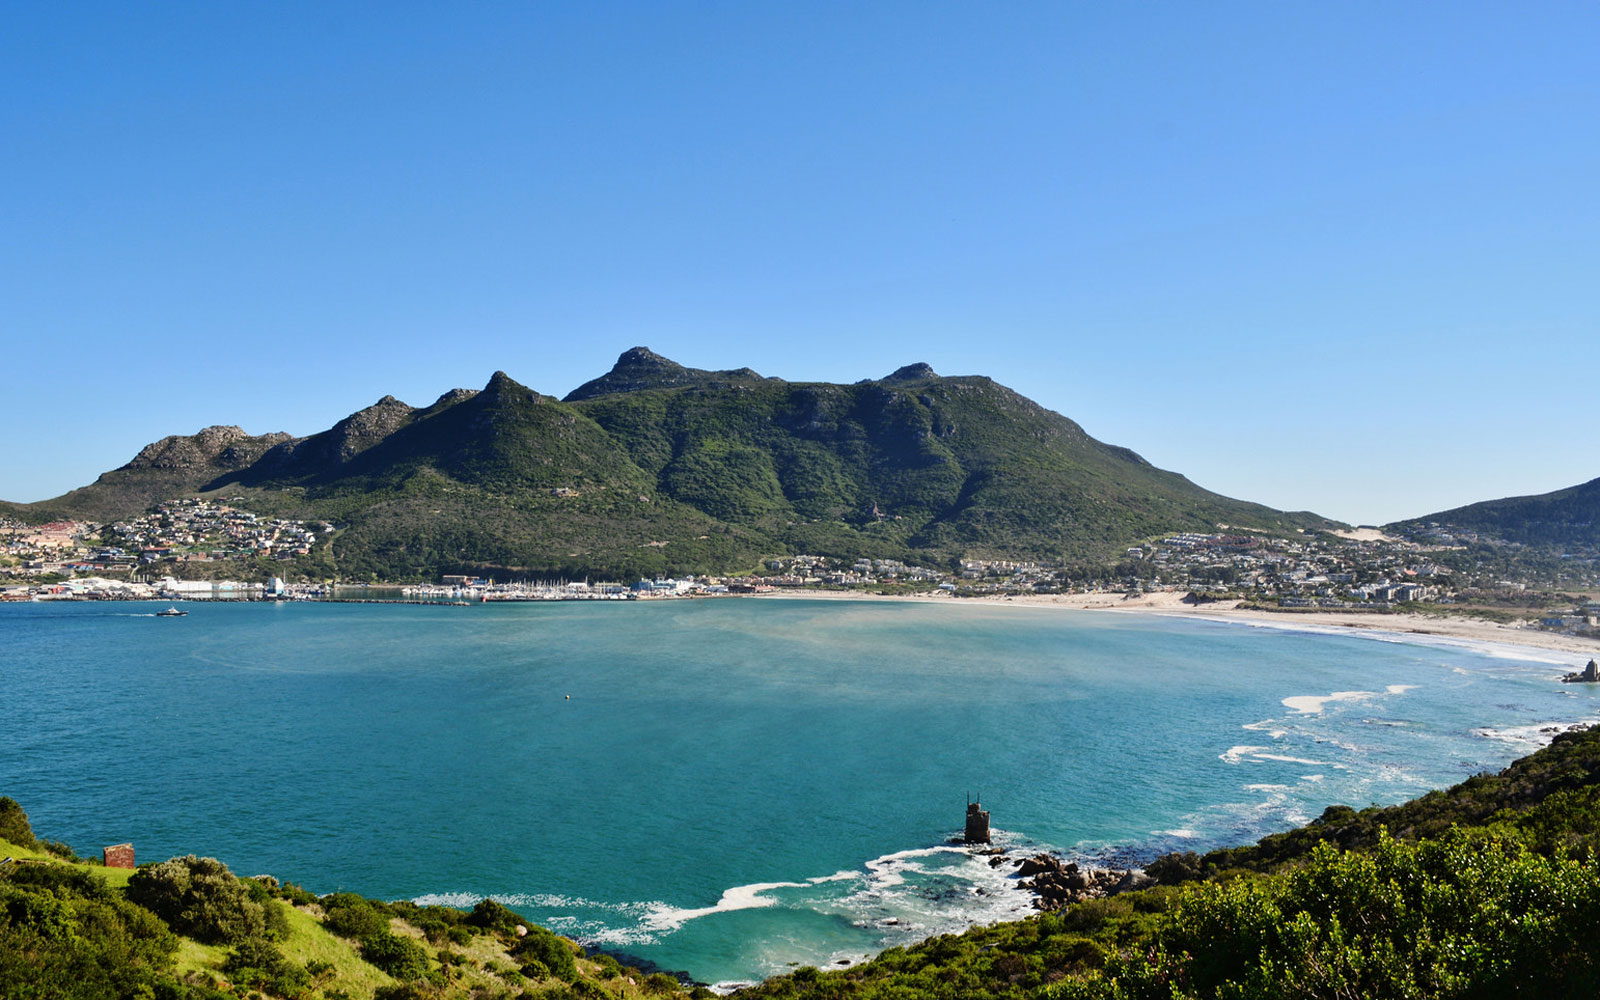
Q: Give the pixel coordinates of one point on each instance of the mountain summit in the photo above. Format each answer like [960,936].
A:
[640,369]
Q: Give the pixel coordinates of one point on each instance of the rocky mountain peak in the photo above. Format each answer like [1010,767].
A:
[912,373]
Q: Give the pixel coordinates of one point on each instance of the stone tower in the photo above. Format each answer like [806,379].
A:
[977,823]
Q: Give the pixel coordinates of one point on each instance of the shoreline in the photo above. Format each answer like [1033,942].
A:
[1401,626]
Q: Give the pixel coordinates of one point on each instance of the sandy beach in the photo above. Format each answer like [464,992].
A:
[1544,646]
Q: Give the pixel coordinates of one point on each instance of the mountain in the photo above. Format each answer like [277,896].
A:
[658,467]
[174,466]
[1568,518]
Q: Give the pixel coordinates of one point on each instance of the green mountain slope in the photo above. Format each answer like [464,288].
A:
[655,467]
[1569,517]
[913,462]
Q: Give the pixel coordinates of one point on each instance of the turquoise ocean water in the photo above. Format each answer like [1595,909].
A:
[723,787]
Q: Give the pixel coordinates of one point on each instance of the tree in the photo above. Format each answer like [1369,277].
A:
[200,897]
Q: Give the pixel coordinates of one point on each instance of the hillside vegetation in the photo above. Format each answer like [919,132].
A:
[1564,519]
[189,929]
[657,468]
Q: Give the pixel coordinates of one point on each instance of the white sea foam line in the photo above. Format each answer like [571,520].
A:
[1312,704]
[1290,760]
[741,897]
[1266,788]
[843,876]
[1400,688]
[1235,755]
[1266,726]
[544,900]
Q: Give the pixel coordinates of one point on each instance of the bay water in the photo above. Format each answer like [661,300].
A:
[724,787]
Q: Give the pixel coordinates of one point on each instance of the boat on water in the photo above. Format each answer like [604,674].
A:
[171,613]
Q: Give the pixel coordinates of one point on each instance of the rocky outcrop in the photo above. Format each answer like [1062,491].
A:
[1055,883]
[1588,675]
[220,447]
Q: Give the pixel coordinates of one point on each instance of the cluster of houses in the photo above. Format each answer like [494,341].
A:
[195,530]
[1313,570]
[180,531]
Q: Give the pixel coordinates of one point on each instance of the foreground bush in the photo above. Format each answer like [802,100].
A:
[1457,917]
[201,898]
[14,824]
[64,934]
[400,957]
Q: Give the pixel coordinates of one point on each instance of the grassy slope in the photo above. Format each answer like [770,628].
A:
[484,966]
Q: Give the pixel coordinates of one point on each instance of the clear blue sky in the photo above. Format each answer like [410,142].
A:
[1343,257]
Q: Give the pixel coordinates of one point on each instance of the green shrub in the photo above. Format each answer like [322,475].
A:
[200,897]
[660,982]
[493,916]
[535,969]
[1456,917]
[400,957]
[64,934]
[257,963]
[14,824]
[350,916]
[295,894]
[549,950]
[1172,869]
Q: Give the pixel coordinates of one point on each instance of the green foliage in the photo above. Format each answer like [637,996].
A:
[64,934]
[1453,917]
[201,898]
[351,916]
[257,963]
[400,957]
[606,966]
[14,824]
[492,915]
[1562,519]
[548,950]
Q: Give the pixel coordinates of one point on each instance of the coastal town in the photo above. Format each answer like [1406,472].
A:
[200,548]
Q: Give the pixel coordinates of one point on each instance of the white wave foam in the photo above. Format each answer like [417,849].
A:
[1266,788]
[1235,755]
[1268,726]
[1400,688]
[1311,777]
[843,876]
[1312,704]
[1289,760]
[663,918]
[1535,734]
